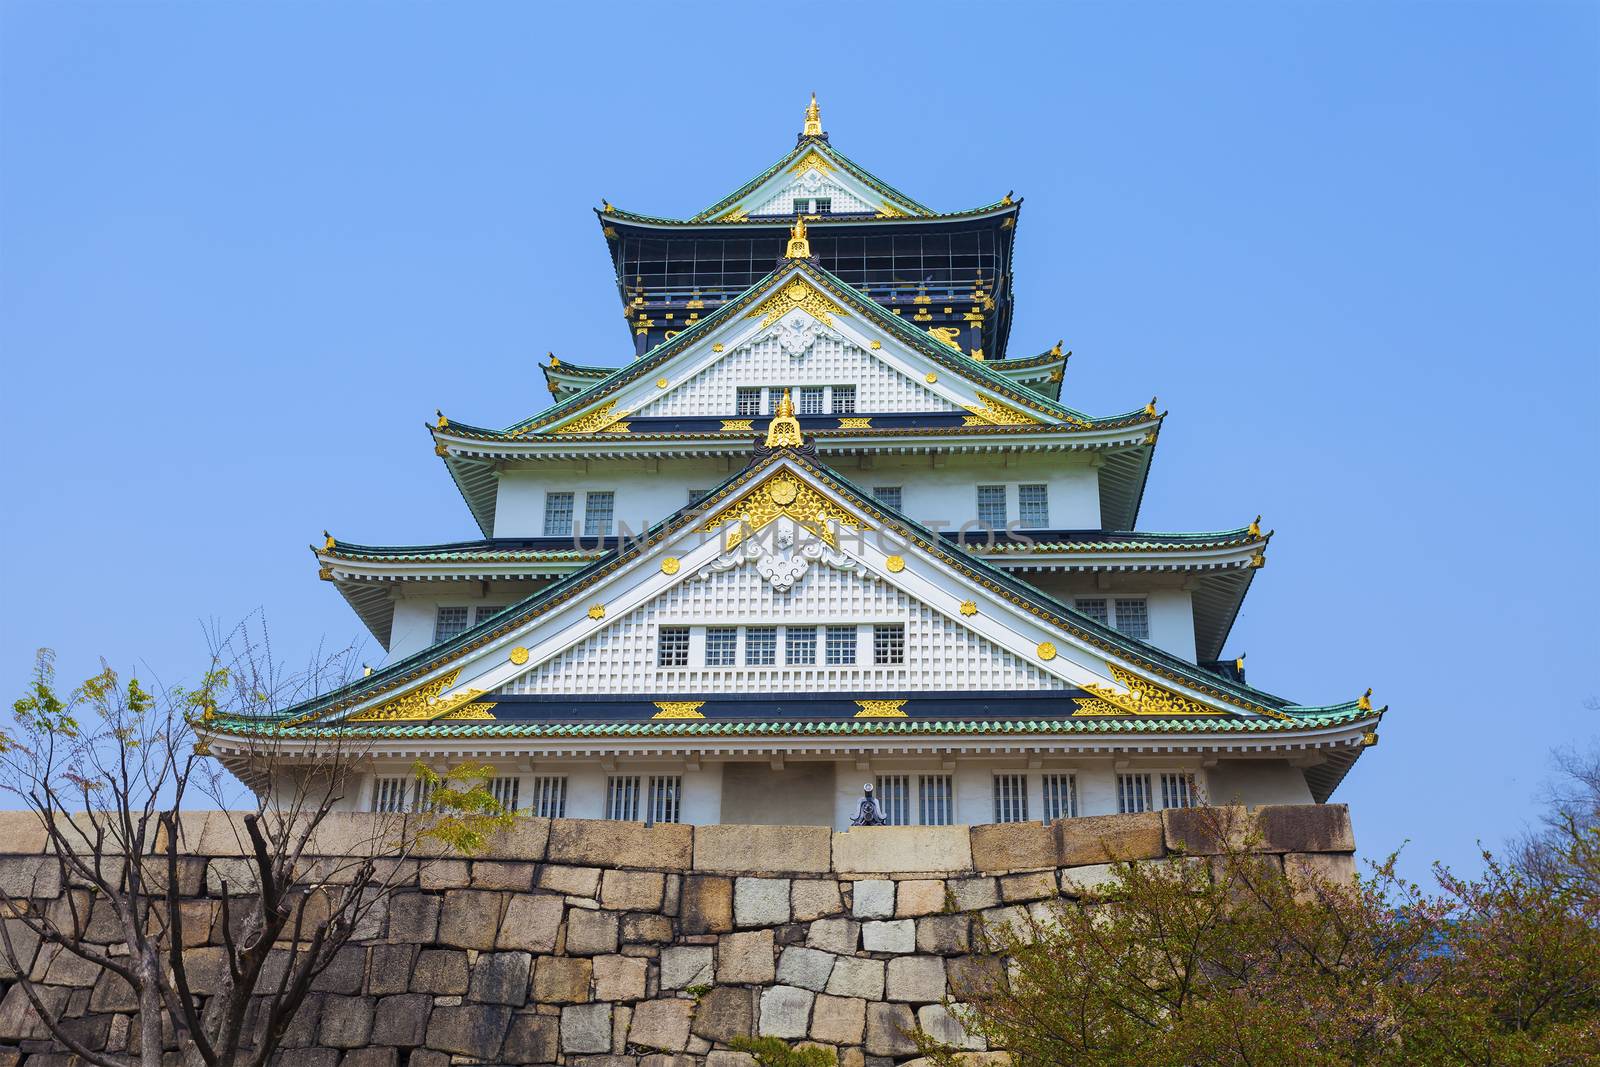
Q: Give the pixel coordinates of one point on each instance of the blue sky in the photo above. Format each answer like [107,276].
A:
[245,251]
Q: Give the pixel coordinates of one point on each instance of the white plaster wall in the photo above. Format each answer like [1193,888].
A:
[415,615]
[1256,782]
[645,493]
[1172,621]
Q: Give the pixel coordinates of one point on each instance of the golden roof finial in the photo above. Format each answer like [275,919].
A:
[799,246]
[813,127]
[327,540]
[1365,703]
[443,422]
[1255,527]
[1150,408]
[1056,349]
[1238,662]
[784,429]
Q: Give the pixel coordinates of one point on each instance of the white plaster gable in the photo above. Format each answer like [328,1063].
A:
[816,174]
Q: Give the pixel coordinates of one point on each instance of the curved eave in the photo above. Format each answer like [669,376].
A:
[823,146]
[998,209]
[569,379]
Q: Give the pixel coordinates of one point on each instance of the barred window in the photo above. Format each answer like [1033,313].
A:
[937,795]
[888,645]
[992,506]
[894,798]
[447,622]
[597,513]
[389,795]
[844,399]
[1011,798]
[761,646]
[505,792]
[1177,790]
[747,401]
[1133,793]
[1095,608]
[722,646]
[1133,618]
[1060,796]
[622,797]
[487,611]
[887,495]
[672,646]
[558,514]
[666,792]
[800,645]
[841,649]
[1033,506]
[549,794]
[810,402]
[822,205]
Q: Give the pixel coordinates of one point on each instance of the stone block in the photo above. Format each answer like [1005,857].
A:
[1309,872]
[1084,881]
[308,1057]
[619,977]
[441,972]
[661,1024]
[473,1030]
[436,874]
[814,898]
[687,965]
[500,978]
[730,1059]
[974,977]
[968,1059]
[728,849]
[532,923]
[944,935]
[786,1011]
[645,928]
[840,936]
[1036,885]
[839,1020]
[895,935]
[205,968]
[24,942]
[632,890]
[807,968]
[872,899]
[469,918]
[604,843]
[591,933]
[889,1027]
[706,904]
[1108,838]
[346,974]
[760,901]
[725,1013]
[525,839]
[586,1028]
[346,1022]
[402,1020]
[532,1039]
[974,894]
[19,1022]
[427,1057]
[499,874]
[561,980]
[414,918]
[30,876]
[919,979]
[1306,828]
[903,850]
[111,993]
[389,969]
[854,977]
[919,896]
[993,920]
[21,833]
[371,1056]
[1013,846]
[745,958]
[570,881]
[939,1023]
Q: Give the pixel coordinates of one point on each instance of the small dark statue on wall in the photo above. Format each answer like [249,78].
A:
[868,812]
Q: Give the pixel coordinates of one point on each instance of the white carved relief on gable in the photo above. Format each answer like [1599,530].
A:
[782,552]
[796,332]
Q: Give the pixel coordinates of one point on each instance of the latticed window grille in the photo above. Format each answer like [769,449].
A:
[894,798]
[888,644]
[1095,608]
[1011,798]
[1033,506]
[722,646]
[844,399]
[505,792]
[598,508]
[992,506]
[799,645]
[447,622]
[1133,793]
[841,646]
[888,495]
[1177,790]
[558,514]
[810,400]
[672,647]
[487,611]
[936,795]
[666,793]
[622,797]
[1133,618]
[389,795]
[761,646]
[1060,796]
[747,401]
[424,791]
[549,794]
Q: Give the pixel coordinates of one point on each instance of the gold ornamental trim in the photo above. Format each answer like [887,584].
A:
[1046,650]
[598,611]
[598,419]
[969,607]
[471,711]
[670,565]
[801,294]
[425,702]
[896,564]
[856,423]
[781,494]
[990,412]
[1142,698]
[812,159]
[518,655]
[678,709]
[881,709]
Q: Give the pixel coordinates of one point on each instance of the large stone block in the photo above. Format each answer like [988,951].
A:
[760,901]
[728,849]
[853,977]
[1306,828]
[586,1028]
[889,1030]
[814,898]
[619,977]
[919,979]
[371,1056]
[903,850]
[706,905]
[474,1030]
[745,958]
[632,890]
[840,936]
[532,923]
[561,980]
[872,899]
[725,1013]
[939,1023]
[974,894]
[19,1022]
[205,969]
[919,896]
[21,833]
[944,935]
[603,843]
[897,935]
[532,1039]
[786,1011]
[441,972]
[1108,838]
[346,1022]
[661,1024]
[1013,846]
[524,840]
[974,977]
[346,974]
[571,881]
[497,874]
[1035,885]
[470,918]
[500,978]
[839,1020]
[402,1020]
[807,968]
[646,928]
[435,874]
[1311,872]
[1088,881]
[687,965]
[30,876]
[591,933]
[414,918]
[389,969]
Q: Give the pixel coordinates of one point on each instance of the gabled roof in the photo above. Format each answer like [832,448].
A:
[895,202]
[1042,373]
[564,379]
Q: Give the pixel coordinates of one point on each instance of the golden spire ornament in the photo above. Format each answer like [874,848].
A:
[799,245]
[784,429]
[813,127]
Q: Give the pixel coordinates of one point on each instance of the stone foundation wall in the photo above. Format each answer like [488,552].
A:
[606,944]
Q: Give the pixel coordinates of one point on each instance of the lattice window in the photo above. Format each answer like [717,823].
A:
[672,647]
[505,792]
[697,495]
[389,795]
[666,797]
[1095,608]
[1133,617]
[598,507]
[936,793]
[1033,506]
[622,797]
[841,646]
[722,646]
[894,798]
[1011,798]
[992,506]
[761,646]
[558,514]
[549,793]
[447,622]
[809,401]
[1177,790]
[1060,796]
[844,400]
[888,644]
[888,495]
[1133,793]
[799,645]
[747,401]
[487,611]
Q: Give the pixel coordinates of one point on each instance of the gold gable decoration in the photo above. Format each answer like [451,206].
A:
[678,709]
[880,709]
[801,294]
[425,702]
[1142,698]
[600,419]
[990,412]
[812,160]
[784,429]
[782,494]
